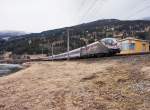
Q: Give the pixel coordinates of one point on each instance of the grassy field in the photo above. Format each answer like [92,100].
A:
[117,83]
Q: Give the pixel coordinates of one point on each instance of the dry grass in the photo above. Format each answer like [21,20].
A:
[95,84]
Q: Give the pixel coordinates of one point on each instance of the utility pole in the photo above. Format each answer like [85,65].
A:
[48,47]
[29,42]
[95,36]
[42,50]
[52,51]
[68,43]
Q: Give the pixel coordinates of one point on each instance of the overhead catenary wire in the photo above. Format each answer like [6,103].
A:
[81,6]
[143,9]
[92,9]
[97,9]
[84,16]
[138,11]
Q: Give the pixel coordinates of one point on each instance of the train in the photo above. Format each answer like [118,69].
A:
[104,47]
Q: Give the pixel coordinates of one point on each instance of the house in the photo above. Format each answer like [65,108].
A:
[132,45]
[7,56]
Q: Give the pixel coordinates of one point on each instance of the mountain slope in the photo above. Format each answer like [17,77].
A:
[80,35]
[146,18]
[10,34]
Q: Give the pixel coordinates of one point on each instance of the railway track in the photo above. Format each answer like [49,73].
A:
[20,61]
[116,56]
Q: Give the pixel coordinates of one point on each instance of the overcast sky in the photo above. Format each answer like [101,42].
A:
[41,15]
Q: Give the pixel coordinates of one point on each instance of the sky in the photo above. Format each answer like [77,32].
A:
[41,15]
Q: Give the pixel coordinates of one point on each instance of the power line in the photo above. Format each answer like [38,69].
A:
[88,10]
[143,9]
[80,9]
[140,10]
[81,5]
[91,9]
[100,4]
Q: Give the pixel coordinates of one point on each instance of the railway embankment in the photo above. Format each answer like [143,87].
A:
[111,83]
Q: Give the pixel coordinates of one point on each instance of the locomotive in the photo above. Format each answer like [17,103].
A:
[104,47]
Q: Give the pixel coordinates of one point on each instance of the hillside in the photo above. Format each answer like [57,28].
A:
[146,18]
[81,35]
[6,35]
[116,83]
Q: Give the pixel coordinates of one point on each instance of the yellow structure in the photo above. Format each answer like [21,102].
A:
[131,45]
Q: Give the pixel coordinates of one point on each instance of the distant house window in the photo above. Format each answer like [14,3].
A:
[132,46]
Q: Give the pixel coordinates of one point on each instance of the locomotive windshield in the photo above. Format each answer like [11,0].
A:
[109,41]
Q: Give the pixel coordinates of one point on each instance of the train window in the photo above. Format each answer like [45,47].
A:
[125,46]
[132,46]
[109,41]
[143,47]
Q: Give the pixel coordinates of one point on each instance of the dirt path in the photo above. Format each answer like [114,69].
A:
[95,84]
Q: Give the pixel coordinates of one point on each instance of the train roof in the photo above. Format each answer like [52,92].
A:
[135,39]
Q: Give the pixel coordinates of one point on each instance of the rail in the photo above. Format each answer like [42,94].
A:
[20,61]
